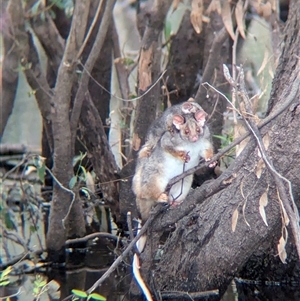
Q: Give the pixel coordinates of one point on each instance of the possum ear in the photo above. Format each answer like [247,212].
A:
[187,107]
[200,117]
[178,121]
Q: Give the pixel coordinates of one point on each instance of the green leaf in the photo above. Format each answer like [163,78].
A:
[41,172]
[58,4]
[40,283]
[35,7]
[52,14]
[73,182]
[168,29]
[96,296]
[79,293]
[8,222]
[84,171]
[4,283]
[220,137]
[43,17]
[33,229]
[5,272]
[128,61]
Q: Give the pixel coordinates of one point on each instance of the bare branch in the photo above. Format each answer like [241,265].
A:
[97,46]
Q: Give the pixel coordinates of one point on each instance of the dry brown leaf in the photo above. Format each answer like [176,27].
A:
[285,216]
[267,10]
[136,142]
[214,5]
[259,168]
[273,5]
[235,216]
[263,202]
[196,15]
[266,141]
[239,16]
[264,63]
[244,214]
[226,17]
[281,249]
[175,4]
[90,183]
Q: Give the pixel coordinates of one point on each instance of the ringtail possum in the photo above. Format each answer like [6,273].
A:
[174,152]
[165,123]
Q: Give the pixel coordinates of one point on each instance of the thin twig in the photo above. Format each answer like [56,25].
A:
[120,98]
[90,30]
[65,189]
[15,167]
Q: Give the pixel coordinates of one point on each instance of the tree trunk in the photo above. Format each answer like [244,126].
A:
[10,74]
[66,216]
[203,252]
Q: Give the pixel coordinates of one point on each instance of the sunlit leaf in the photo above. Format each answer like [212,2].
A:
[4,283]
[73,182]
[263,202]
[235,216]
[281,249]
[83,170]
[239,16]
[5,272]
[96,296]
[79,293]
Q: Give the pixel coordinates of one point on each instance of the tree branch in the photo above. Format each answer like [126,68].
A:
[97,46]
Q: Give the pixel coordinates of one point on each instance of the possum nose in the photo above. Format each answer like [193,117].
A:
[194,138]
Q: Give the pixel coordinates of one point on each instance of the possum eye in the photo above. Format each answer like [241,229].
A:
[186,131]
[198,129]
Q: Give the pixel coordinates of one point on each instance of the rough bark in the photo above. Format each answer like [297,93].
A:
[102,67]
[148,72]
[9,75]
[216,53]
[95,140]
[51,41]
[186,61]
[63,150]
[203,252]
